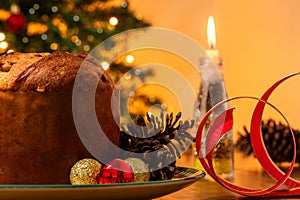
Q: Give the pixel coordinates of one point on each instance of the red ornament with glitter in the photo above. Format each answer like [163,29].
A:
[117,171]
[16,21]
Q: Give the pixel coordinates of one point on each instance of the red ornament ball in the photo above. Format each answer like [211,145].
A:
[15,22]
[117,171]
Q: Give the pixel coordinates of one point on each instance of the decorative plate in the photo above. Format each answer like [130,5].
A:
[135,190]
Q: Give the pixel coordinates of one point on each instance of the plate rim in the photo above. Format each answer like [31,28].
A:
[191,178]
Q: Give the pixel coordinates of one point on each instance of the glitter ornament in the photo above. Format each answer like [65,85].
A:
[85,171]
[16,21]
[139,168]
[111,174]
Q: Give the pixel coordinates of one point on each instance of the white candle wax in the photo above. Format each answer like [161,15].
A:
[213,54]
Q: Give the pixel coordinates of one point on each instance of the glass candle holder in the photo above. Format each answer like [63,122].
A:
[212,91]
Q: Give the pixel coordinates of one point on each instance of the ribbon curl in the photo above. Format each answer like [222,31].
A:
[224,123]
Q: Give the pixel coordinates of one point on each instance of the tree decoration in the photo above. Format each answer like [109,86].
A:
[52,24]
[4,14]
[84,171]
[110,173]
[168,133]
[139,169]
[70,26]
[16,21]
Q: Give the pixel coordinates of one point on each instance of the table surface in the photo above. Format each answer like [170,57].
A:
[248,173]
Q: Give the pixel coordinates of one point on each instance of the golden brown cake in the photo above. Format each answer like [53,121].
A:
[38,140]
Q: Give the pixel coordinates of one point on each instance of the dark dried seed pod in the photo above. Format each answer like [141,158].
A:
[145,148]
[150,134]
[277,139]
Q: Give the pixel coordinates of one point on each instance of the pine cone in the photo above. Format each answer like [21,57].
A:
[168,134]
[277,139]
[243,142]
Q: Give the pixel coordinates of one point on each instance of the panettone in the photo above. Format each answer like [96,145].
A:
[38,140]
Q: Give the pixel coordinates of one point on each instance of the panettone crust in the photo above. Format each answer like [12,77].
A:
[44,72]
[38,140]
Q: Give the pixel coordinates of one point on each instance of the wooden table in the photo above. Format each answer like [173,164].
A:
[248,173]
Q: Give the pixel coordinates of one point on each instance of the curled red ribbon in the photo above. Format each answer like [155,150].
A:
[223,123]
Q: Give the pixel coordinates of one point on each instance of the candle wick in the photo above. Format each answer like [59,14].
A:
[211,44]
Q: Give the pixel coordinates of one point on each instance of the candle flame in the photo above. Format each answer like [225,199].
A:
[211,33]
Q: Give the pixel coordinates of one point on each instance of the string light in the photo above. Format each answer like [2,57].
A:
[124,4]
[45,17]
[31,11]
[25,39]
[4,14]
[36,6]
[139,17]
[100,30]
[97,24]
[74,38]
[44,36]
[2,36]
[129,59]
[78,42]
[90,38]
[152,99]
[105,65]
[86,47]
[37,14]
[54,46]
[113,21]
[138,72]
[76,18]
[36,28]
[127,76]
[3,45]
[131,93]
[54,9]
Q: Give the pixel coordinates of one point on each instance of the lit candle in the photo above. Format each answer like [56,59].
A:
[212,52]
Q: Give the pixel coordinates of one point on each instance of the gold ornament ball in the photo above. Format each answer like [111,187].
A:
[139,168]
[84,171]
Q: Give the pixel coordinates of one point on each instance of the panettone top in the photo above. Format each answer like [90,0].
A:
[44,72]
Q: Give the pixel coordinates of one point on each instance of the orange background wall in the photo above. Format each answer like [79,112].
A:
[259,42]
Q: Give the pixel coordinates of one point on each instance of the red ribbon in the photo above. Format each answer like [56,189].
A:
[223,123]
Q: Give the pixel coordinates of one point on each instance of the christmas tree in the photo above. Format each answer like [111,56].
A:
[71,26]
[62,25]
